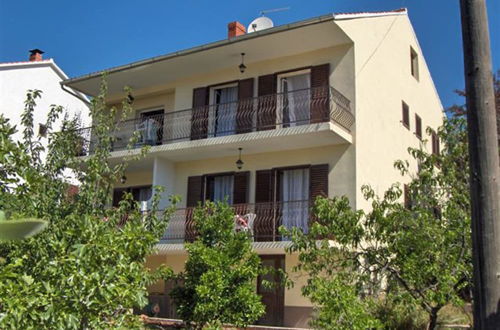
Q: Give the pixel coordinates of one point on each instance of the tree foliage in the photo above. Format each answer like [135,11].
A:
[220,273]
[86,270]
[415,254]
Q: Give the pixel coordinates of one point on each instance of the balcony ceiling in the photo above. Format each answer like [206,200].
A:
[259,46]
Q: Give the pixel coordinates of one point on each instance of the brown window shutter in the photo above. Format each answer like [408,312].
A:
[199,117]
[244,114]
[435,143]
[318,181]
[320,91]
[407,196]
[418,126]
[194,190]
[194,195]
[266,112]
[406,115]
[240,187]
[265,225]
[264,186]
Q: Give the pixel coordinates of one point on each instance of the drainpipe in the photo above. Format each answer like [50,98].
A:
[78,96]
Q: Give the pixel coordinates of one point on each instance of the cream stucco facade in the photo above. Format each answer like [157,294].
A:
[368,57]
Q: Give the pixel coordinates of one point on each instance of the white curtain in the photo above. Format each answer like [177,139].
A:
[226,111]
[295,198]
[223,187]
[298,98]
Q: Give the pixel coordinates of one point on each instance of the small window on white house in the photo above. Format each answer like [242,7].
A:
[42,130]
[406,115]
[414,63]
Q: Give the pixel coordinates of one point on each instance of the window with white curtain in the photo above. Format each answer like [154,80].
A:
[222,117]
[295,198]
[220,188]
[295,101]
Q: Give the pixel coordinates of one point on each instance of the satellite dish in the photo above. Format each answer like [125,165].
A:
[260,23]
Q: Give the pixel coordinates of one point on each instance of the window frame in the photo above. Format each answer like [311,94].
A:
[405,120]
[418,126]
[414,64]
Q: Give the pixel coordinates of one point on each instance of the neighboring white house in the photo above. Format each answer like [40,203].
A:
[18,77]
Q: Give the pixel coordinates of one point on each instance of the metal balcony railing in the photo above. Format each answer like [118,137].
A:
[268,218]
[274,111]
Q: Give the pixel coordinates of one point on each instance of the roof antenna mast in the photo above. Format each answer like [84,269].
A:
[275,10]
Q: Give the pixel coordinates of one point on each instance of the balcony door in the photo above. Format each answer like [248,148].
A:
[222,117]
[294,198]
[151,127]
[295,98]
[283,196]
[220,188]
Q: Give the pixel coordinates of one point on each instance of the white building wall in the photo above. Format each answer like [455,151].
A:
[16,79]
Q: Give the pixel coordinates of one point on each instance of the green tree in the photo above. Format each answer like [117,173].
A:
[220,273]
[418,253]
[86,270]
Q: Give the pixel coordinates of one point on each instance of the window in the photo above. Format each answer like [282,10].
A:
[42,130]
[414,63]
[418,126]
[406,115]
[295,95]
[150,127]
[435,143]
[139,194]
[222,117]
[220,188]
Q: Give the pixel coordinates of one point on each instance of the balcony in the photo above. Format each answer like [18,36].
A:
[268,218]
[292,110]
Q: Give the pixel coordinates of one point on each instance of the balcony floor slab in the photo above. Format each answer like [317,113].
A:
[298,137]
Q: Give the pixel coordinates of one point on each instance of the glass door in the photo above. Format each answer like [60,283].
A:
[295,99]
[225,105]
[294,198]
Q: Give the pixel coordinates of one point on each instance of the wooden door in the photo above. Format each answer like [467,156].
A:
[273,297]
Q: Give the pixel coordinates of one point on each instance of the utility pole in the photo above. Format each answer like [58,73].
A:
[484,171]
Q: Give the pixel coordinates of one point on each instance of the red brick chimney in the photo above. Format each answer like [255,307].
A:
[235,29]
[36,55]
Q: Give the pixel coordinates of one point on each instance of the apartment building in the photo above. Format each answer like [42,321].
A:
[270,119]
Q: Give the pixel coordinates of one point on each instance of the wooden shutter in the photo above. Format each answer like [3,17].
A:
[418,126]
[265,226]
[194,195]
[194,190]
[318,180]
[320,93]
[244,114]
[407,196]
[435,143]
[266,112]
[199,116]
[240,187]
[406,115]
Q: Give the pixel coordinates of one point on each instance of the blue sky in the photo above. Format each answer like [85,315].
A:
[87,36]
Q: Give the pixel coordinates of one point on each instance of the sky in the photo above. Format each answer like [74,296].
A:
[92,35]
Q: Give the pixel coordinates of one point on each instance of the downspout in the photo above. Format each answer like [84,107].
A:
[78,96]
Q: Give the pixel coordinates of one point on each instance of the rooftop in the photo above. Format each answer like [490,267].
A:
[89,83]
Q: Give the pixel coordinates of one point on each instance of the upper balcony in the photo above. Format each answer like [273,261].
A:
[313,115]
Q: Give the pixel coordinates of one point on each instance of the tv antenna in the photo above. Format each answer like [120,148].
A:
[275,10]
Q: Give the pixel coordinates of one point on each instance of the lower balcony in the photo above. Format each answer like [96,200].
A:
[314,115]
[265,220]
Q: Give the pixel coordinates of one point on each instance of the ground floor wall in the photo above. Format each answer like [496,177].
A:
[297,309]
